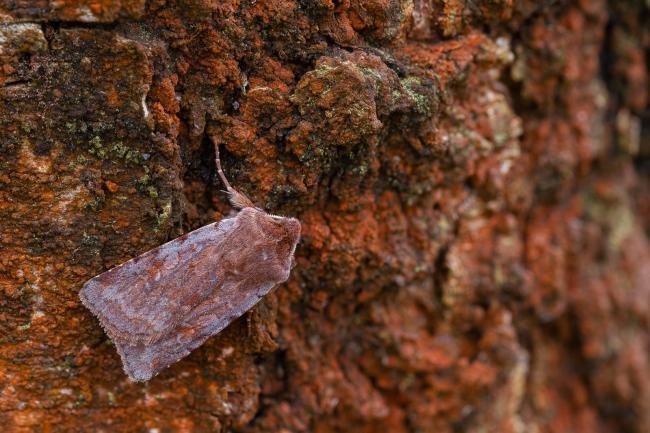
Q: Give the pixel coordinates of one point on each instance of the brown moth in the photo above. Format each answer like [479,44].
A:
[163,304]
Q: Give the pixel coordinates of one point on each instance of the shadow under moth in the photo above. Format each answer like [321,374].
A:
[161,305]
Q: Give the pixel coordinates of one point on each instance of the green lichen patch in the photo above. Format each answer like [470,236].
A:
[119,150]
[116,151]
[146,185]
[96,147]
[163,217]
[422,103]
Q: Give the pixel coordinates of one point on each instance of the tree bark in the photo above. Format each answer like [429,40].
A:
[472,178]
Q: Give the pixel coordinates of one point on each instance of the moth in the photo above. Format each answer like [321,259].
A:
[161,305]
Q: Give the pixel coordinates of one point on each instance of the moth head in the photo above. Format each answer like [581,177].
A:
[284,232]
[290,235]
[292,229]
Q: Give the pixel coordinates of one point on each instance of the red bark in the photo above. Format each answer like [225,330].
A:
[472,180]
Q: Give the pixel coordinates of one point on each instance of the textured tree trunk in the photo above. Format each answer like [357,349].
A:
[472,178]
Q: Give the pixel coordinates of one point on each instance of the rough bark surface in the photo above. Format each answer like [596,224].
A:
[473,181]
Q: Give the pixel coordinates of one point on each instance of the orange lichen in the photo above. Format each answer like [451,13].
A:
[473,223]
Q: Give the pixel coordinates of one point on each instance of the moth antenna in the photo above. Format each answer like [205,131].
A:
[236,198]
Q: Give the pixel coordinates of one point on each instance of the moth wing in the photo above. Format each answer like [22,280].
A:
[142,361]
[143,299]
